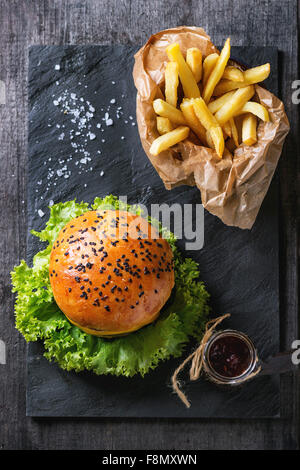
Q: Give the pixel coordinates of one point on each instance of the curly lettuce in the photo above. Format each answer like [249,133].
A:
[38,316]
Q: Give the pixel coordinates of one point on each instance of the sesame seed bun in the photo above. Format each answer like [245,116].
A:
[110,272]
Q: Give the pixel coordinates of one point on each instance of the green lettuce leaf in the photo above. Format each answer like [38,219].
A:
[38,316]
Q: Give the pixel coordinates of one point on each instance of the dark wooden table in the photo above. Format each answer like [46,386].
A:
[27,22]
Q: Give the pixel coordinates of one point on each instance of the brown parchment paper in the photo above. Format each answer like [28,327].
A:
[232,188]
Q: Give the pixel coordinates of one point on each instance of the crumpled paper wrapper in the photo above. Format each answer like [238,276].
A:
[232,188]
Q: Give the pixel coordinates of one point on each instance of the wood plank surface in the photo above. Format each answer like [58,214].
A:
[23,23]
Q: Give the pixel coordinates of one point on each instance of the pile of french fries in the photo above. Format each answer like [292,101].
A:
[215,95]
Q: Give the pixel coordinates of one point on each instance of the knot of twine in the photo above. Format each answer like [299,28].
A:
[198,360]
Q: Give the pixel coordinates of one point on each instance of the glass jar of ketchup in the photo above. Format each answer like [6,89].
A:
[230,357]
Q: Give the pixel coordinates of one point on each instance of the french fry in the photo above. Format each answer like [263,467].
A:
[163,125]
[204,115]
[192,120]
[234,132]
[189,84]
[168,140]
[215,105]
[164,109]
[208,65]
[217,72]
[251,76]
[255,108]
[210,123]
[249,129]
[233,73]
[209,140]
[216,134]
[171,83]
[194,61]
[234,104]
[227,129]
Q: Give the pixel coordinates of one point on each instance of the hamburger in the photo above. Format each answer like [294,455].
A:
[97,294]
[110,272]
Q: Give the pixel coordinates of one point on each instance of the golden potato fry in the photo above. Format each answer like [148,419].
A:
[192,120]
[171,83]
[227,129]
[234,131]
[208,65]
[189,84]
[217,72]
[167,140]
[204,115]
[167,110]
[163,125]
[216,104]
[255,108]
[209,140]
[217,137]
[251,76]
[210,123]
[194,61]
[249,129]
[234,104]
[233,73]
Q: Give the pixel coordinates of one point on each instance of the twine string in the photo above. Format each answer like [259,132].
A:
[197,358]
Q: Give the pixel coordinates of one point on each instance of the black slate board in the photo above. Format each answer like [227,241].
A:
[240,268]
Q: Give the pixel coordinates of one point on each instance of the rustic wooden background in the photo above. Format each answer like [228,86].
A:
[27,22]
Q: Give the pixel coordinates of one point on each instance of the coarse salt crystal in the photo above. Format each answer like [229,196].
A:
[41,213]
[57,67]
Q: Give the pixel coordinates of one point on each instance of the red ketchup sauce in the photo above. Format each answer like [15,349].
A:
[229,356]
